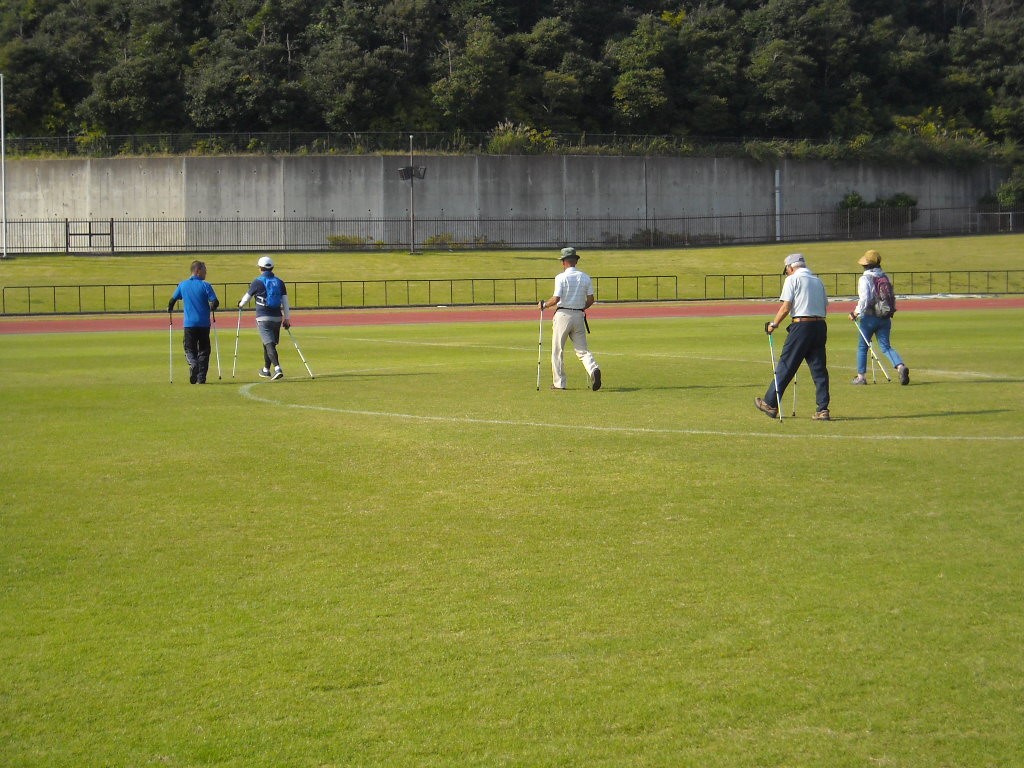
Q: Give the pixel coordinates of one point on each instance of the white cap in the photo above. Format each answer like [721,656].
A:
[265,262]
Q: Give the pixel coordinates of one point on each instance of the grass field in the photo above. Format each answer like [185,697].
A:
[416,559]
[996,252]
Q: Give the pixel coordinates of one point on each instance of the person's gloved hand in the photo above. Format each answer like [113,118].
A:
[241,305]
[287,324]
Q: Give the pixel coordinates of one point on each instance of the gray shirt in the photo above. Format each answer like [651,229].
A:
[806,293]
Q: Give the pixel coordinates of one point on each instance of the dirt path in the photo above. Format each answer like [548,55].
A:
[99,323]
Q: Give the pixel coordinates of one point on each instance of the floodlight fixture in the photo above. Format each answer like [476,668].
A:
[410,173]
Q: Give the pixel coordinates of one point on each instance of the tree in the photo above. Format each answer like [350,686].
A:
[366,68]
[640,94]
[138,84]
[552,83]
[48,61]
[470,91]
[907,60]
[248,76]
[984,78]
[779,100]
[795,69]
[707,78]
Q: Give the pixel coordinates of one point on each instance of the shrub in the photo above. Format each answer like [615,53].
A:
[93,144]
[347,242]
[510,138]
[658,239]
[211,146]
[876,218]
[899,200]
[447,240]
[440,240]
[1010,193]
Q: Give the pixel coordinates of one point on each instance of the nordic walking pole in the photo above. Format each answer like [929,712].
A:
[874,357]
[778,395]
[234,365]
[216,342]
[303,359]
[170,345]
[794,396]
[540,342]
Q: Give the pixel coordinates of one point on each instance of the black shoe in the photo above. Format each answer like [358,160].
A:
[596,384]
[193,375]
[904,375]
[767,410]
[278,374]
[264,373]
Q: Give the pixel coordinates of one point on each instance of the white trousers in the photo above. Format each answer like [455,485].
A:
[569,325]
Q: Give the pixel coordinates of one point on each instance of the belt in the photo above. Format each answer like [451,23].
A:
[807,319]
[571,309]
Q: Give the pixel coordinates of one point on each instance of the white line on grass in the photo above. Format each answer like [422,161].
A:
[247,391]
[659,355]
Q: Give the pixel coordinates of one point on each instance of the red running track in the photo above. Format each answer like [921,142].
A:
[310,318]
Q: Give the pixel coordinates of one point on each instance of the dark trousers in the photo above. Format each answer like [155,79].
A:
[805,341]
[197,353]
[270,335]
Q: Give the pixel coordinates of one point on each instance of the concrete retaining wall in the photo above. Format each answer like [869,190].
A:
[470,187]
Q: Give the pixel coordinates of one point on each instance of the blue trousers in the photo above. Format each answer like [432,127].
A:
[805,341]
[880,328]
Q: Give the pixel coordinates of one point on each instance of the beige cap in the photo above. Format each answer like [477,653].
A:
[870,259]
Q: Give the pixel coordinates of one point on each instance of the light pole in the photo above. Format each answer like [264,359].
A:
[410,173]
[3,166]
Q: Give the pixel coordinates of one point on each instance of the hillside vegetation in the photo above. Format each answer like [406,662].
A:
[925,79]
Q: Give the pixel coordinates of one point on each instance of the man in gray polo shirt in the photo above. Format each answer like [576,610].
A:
[804,298]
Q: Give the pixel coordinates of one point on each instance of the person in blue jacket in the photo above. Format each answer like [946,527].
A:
[198,300]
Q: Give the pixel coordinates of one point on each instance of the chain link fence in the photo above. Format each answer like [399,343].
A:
[336,142]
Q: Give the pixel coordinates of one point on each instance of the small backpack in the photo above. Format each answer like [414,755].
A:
[885,298]
[275,287]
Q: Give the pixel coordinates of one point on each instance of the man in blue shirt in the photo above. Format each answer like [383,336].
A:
[198,300]
[804,299]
